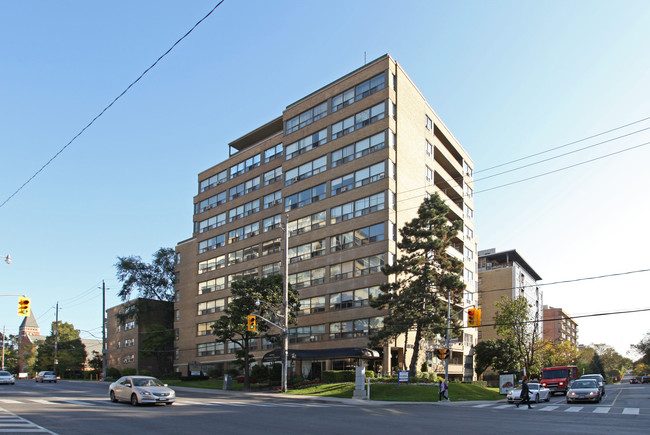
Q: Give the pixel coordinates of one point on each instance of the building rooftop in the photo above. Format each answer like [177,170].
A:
[507,257]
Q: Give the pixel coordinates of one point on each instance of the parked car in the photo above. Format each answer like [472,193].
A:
[645,379]
[634,381]
[45,376]
[7,378]
[141,389]
[584,390]
[537,393]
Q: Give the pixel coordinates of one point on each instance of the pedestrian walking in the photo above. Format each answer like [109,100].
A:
[442,389]
[524,397]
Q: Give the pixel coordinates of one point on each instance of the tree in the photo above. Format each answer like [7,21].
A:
[643,347]
[245,294]
[71,352]
[500,354]
[96,363]
[513,322]
[149,281]
[614,363]
[10,353]
[424,275]
[596,366]
[558,354]
[158,341]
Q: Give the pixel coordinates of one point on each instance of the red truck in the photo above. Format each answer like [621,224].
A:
[557,379]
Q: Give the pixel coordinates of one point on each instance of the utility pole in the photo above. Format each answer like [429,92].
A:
[56,337]
[285,306]
[3,347]
[103,330]
[447,345]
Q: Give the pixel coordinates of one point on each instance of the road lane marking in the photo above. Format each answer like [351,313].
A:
[483,405]
[9,401]
[13,423]
[549,408]
[503,406]
[631,411]
[601,410]
[77,402]
[41,401]
[574,409]
[616,398]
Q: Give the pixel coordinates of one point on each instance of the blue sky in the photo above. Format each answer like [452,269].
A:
[508,78]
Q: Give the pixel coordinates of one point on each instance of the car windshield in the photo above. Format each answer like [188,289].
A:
[554,374]
[533,386]
[5,374]
[584,384]
[149,382]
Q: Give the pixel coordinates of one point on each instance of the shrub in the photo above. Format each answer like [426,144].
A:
[260,372]
[145,372]
[215,373]
[112,372]
[425,367]
[232,372]
[335,376]
[129,371]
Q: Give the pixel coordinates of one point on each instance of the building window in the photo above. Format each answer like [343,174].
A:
[209,203]
[249,273]
[271,269]
[305,197]
[204,328]
[212,285]
[245,232]
[212,243]
[212,264]
[428,174]
[209,349]
[272,176]
[272,199]
[306,251]
[306,118]
[210,307]
[273,153]
[306,144]
[360,237]
[129,325]
[359,92]
[355,328]
[307,223]
[353,298]
[360,120]
[244,188]
[429,123]
[271,223]
[305,171]
[245,166]
[307,278]
[271,246]
[312,305]
[357,208]
[306,334]
[213,181]
[210,223]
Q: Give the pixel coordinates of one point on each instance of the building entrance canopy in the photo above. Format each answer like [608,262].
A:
[319,354]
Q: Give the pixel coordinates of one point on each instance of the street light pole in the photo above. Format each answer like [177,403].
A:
[285,306]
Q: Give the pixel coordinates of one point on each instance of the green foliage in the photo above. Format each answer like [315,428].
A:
[150,281]
[215,373]
[245,295]
[424,367]
[335,376]
[260,372]
[96,363]
[129,371]
[158,341]
[513,322]
[71,352]
[596,366]
[114,373]
[558,354]
[424,274]
[500,354]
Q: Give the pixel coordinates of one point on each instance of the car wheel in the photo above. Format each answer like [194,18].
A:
[134,400]
[113,399]
[548,398]
[169,403]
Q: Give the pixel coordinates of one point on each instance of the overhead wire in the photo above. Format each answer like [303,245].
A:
[110,105]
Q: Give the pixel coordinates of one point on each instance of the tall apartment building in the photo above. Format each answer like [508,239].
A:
[346,166]
[506,274]
[559,326]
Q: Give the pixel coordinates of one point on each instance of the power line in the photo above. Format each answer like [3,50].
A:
[562,146]
[109,106]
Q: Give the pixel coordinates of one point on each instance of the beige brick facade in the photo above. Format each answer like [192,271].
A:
[357,167]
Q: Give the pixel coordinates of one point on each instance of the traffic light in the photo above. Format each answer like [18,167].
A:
[471,317]
[477,316]
[252,323]
[24,306]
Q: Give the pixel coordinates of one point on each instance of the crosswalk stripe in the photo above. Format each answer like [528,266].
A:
[482,405]
[77,402]
[9,401]
[601,410]
[631,411]
[503,406]
[41,401]
[574,409]
[549,408]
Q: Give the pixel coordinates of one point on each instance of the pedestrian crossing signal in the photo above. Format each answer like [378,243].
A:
[252,323]
[24,306]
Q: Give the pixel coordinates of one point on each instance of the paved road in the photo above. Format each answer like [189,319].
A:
[84,408]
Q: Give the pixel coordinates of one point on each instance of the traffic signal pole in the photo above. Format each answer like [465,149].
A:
[447,345]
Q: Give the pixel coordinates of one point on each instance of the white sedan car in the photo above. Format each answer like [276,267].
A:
[7,378]
[141,389]
[537,393]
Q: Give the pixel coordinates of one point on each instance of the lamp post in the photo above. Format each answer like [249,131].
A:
[7,258]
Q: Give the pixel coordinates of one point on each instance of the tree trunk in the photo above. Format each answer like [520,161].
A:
[416,351]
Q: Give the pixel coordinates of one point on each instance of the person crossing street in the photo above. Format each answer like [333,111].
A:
[525,394]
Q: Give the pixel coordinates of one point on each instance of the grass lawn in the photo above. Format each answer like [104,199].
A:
[404,393]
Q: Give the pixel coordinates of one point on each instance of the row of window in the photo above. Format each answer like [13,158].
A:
[337,330]
[340,271]
[220,283]
[339,301]
[309,169]
[127,343]
[338,102]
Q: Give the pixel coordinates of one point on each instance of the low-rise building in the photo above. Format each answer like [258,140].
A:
[559,326]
